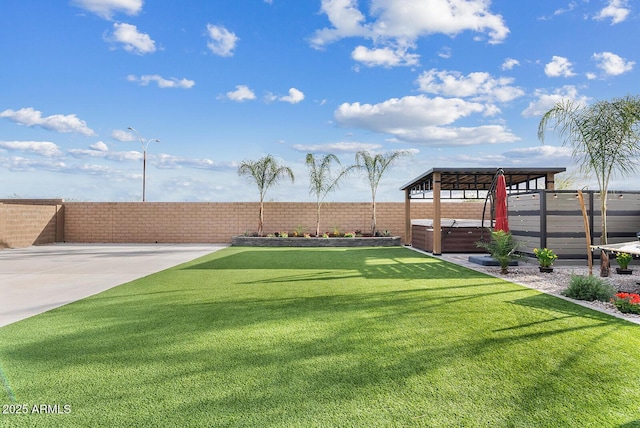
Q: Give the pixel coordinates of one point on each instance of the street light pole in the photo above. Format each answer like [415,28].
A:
[144,160]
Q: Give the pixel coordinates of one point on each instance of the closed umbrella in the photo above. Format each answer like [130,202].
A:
[502,220]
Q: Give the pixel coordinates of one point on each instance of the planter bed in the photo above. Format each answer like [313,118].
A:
[252,241]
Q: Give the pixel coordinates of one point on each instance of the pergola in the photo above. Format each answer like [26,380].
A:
[469,183]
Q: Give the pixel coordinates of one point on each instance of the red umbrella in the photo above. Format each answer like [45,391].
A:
[502,221]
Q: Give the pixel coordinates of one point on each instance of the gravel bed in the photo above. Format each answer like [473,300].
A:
[555,282]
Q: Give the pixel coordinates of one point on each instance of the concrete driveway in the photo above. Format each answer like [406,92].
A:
[36,279]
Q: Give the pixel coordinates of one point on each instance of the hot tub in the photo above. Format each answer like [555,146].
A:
[457,235]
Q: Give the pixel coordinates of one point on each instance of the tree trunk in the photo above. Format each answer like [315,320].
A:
[373,218]
[605,266]
[318,221]
[261,218]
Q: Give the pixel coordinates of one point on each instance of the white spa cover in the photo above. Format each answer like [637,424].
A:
[455,223]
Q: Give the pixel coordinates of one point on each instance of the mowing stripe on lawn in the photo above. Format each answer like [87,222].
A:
[320,338]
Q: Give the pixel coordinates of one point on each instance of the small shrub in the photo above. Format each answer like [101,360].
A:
[627,303]
[588,288]
[299,231]
[349,235]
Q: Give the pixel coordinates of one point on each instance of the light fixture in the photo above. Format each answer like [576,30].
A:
[144,145]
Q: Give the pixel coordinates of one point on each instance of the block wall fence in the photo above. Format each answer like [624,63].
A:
[218,222]
[24,223]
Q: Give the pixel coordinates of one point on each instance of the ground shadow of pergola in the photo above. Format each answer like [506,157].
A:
[468,183]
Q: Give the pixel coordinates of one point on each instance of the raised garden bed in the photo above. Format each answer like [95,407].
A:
[253,241]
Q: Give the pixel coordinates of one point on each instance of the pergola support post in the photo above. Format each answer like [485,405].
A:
[437,212]
[408,239]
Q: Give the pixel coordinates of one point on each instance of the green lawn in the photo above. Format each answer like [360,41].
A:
[322,337]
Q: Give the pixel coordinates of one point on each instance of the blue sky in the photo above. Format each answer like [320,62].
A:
[455,82]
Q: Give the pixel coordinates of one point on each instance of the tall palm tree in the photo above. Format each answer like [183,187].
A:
[322,181]
[265,172]
[605,141]
[375,167]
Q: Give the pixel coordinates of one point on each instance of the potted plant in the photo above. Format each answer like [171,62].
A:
[545,257]
[623,260]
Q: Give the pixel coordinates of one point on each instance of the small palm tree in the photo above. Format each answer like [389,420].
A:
[375,167]
[321,180]
[265,172]
[503,248]
[605,140]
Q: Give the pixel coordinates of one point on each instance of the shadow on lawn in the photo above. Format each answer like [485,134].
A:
[382,263]
[274,344]
[231,357]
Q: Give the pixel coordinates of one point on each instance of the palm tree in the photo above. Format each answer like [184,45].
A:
[375,167]
[321,180]
[605,140]
[265,172]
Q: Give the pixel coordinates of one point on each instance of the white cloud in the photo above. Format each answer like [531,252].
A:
[57,122]
[410,111]
[509,63]
[294,97]
[457,136]
[120,135]
[98,151]
[611,64]
[42,148]
[100,146]
[132,40]
[422,120]
[386,57]
[221,41]
[445,52]
[107,8]
[403,22]
[346,19]
[545,101]
[480,86]
[561,11]
[617,10]
[340,147]
[559,67]
[242,93]
[165,161]
[540,154]
[171,82]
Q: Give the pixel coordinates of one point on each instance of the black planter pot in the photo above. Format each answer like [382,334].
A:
[545,269]
[621,271]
